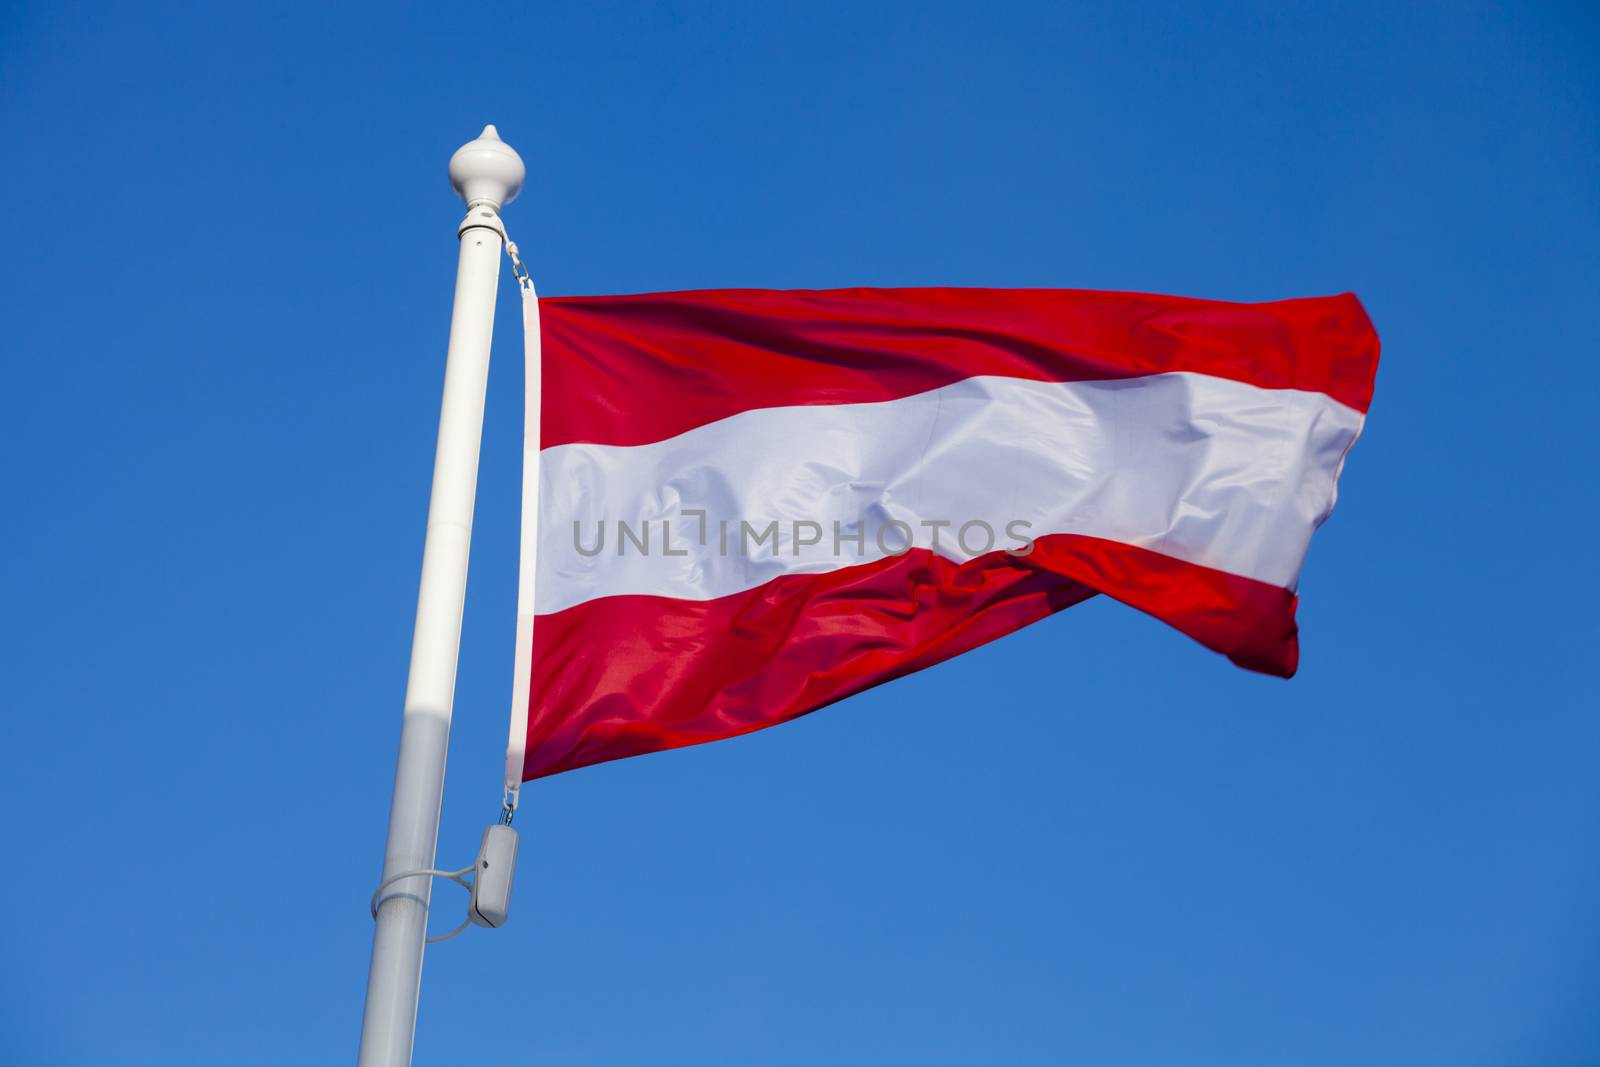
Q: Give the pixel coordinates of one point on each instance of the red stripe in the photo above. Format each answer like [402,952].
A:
[627,370]
[625,675]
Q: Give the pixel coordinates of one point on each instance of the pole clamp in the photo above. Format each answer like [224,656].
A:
[490,884]
[458,877]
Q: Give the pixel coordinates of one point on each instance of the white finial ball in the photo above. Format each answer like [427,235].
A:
[487,169]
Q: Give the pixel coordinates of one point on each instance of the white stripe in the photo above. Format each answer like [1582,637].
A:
[1204,469]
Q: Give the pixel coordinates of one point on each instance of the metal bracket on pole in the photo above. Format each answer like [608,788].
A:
[490,885]
[458,877]
[481,215]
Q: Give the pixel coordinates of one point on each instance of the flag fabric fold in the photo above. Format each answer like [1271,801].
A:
[753,503]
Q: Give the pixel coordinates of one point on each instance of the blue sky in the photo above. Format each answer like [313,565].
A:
[225,294]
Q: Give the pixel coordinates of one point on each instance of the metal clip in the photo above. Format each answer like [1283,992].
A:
[524,279]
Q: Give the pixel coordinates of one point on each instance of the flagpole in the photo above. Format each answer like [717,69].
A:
[486,173]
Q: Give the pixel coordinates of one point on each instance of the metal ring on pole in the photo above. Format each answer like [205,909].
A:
[458,877]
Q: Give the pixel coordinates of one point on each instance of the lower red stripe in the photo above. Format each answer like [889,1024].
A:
[625,675]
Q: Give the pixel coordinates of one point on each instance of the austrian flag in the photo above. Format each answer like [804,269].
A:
[742,505]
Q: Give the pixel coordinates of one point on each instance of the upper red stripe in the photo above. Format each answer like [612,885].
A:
[629,370]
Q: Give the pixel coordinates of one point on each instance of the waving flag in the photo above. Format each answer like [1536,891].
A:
[754,503]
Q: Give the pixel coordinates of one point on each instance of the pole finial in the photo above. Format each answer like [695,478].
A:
[487,169]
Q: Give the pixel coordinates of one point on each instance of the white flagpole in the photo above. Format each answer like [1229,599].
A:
[486,173]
